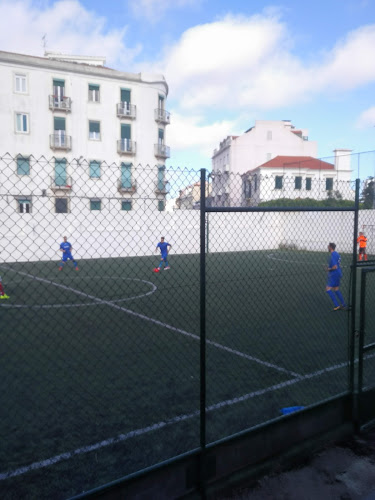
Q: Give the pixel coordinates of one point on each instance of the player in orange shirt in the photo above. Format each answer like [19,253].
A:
[362,241]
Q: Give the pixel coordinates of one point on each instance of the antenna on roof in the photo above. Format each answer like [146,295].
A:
[44,41]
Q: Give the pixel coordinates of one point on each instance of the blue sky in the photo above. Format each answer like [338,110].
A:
[226,63]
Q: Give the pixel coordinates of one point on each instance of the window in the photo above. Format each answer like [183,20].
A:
[24,205]
[94,170]
[95,205]
[23,166]
[94,131]
[61,205]
[161,183]
[59,124]
[58,89]
[22,123]
[329,184]
[278,182]
[248,188]
[161,206]
[20,83]
[125,95]
[61,178]
[126,205]
[269,135]
[125,137]
[94,93]
[298,182]
[308,183]
[161,136]
[126,175]
[161,102]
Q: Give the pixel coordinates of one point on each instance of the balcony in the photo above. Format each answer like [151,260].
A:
[126,147]
[123,187]
[126,110]
[61,183]
[60,141]
[60,103]
[162,187]
[162,116]
[161,151]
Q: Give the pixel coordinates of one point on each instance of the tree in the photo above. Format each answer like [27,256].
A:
[367,195]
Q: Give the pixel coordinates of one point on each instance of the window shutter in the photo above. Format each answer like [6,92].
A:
[60,172]
[125,131]
[126,175]
[59,123]
[125,95]
[94,127]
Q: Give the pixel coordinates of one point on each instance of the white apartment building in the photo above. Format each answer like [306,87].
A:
[272,149]
[77,128]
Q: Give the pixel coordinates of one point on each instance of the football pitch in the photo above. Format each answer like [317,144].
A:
[100,368]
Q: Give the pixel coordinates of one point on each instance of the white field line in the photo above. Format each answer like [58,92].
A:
[89,304]
[138,432]
[291,261]
[157,322]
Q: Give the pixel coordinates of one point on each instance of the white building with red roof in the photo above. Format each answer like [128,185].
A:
[274,160]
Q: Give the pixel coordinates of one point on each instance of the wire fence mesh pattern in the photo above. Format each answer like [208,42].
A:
[100,354]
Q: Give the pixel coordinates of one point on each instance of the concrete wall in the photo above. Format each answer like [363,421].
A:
[37,236]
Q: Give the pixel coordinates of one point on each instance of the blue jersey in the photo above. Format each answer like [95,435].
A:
[335,260]
[66,246]
[163,248]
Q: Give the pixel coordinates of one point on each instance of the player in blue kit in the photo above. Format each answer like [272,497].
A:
[163,245]
[66,249]
[334,277]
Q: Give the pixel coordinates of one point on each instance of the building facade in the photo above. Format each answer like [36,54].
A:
[74,127]
[243,165]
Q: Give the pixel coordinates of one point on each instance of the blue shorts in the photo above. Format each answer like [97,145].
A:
[164,256]
[66,256]
[334,279]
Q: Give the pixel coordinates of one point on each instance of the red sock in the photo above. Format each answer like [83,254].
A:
[1,289]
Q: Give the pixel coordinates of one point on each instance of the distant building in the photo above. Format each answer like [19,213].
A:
[81,116]
[296,177]
[270,148]
[190,196]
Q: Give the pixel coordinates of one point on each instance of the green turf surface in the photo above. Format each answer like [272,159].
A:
[110,355]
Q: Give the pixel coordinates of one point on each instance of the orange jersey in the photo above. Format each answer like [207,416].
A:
[362,240]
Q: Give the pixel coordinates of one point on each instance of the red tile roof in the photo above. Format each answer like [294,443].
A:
[297,162]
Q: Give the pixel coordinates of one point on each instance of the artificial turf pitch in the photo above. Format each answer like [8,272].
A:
[100,370]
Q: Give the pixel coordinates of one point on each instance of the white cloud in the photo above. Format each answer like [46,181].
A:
[351,63]
[366,118]
[250,62]
[68,26]
[191,133]
[155,10]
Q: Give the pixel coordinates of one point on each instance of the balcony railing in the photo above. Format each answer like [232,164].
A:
[124,187]
[60,103]
[162,116]
[61,183]
[126,147]
[126,110]
[161,151]
[60,141]
[162,187]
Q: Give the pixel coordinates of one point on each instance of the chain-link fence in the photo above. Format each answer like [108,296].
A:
[101,333]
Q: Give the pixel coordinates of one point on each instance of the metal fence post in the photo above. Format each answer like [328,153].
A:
[202,331]
[354,298]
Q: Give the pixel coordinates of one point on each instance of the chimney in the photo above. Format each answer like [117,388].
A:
[342,160]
